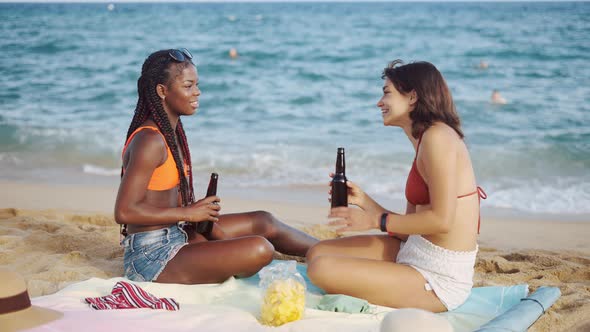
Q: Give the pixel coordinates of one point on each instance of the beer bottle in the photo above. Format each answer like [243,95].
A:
[205,227]
[339,188]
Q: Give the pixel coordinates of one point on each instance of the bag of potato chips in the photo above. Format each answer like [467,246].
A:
[284,293]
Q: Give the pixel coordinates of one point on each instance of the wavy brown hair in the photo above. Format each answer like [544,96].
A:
[435,102]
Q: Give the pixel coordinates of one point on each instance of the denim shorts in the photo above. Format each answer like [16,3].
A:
[147,253]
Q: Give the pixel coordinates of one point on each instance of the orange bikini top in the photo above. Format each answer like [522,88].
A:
[165,176]
[417,190]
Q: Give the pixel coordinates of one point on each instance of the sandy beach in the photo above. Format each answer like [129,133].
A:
[55,235]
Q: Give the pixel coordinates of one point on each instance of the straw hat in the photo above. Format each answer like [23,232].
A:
[16,311]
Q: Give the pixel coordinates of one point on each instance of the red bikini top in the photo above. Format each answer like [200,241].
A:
[417,190]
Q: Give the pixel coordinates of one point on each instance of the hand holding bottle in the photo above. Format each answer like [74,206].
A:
[206,209]
[356,196]
[353,219]
[339,191]
[206,227]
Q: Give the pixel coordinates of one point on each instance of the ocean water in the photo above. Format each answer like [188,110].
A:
[307,81]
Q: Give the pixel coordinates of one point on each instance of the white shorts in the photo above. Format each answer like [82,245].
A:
[449,273]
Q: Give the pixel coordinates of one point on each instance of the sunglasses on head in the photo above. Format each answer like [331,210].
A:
[180,55]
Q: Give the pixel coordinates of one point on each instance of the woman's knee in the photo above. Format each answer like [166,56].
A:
[312,252]
[318,269]
[316,250]
[261,250]
[266,224]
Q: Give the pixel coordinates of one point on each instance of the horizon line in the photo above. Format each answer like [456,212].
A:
[285,1]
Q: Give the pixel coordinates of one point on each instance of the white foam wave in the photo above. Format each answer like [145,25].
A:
[378,174]
[560,195]
[552,195]
[97,170]
[10,158]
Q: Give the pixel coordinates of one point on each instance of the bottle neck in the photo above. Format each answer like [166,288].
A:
[340,164]
[212,189]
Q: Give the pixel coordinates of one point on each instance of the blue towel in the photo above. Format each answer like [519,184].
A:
[521,316]
[484,304]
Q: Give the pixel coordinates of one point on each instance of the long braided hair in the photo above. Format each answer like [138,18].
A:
[159,68]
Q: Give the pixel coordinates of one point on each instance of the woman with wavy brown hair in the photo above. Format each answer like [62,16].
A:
[425,258]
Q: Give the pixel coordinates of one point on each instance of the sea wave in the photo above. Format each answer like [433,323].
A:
[97,170]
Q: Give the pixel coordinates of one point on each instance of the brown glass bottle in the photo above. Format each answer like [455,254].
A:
[339,189]
[205,227]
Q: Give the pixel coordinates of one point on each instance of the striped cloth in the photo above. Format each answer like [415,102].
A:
[129,296]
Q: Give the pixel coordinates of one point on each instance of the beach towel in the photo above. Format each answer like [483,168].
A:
[234,305]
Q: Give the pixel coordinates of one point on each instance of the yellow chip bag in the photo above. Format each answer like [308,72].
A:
[284,295]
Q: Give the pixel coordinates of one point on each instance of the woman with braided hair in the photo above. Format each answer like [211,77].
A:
[156,193]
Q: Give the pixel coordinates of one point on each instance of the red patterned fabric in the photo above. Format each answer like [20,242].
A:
[129,296]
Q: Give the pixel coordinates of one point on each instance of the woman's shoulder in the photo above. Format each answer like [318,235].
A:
[439,137]
[440,133]
[147,141]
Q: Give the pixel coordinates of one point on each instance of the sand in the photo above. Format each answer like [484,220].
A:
[57,235]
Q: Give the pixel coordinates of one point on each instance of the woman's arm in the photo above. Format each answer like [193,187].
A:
[146,152]
[356,196]
[438,154]
[410,208]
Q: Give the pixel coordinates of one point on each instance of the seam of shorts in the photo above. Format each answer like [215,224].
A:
[136,273]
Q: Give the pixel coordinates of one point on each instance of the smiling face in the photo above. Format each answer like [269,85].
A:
[181,94]
[395,106]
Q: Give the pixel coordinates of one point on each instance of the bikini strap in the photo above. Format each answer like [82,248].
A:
[140,129]
[418,146]
[481,194]
[479,191]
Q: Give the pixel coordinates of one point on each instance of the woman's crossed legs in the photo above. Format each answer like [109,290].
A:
[253,239]
[364,266]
